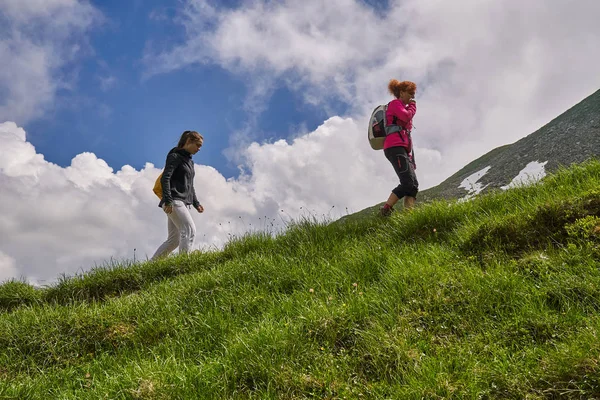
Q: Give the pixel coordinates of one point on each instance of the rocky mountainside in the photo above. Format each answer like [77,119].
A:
[572,137]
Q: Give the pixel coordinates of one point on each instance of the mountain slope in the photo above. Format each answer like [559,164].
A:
[572,137]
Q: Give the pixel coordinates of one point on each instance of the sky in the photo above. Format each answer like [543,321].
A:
[93,94]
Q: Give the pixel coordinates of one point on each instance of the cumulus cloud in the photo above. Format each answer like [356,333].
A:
[38,39]
[488,72]
[65,220]
[8,269]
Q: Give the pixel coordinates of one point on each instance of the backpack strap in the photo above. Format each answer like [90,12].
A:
[389,129]
[393,127]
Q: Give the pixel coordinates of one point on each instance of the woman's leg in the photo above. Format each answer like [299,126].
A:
[172,240]
[411,197]
[408,186]
[185,224]
[393,199]
[409,202]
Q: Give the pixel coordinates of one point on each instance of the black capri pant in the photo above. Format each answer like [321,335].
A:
[409,186]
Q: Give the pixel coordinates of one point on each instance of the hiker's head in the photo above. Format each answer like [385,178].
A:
[404,91]
[191,141]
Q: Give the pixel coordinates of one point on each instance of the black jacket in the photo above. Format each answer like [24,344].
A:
[178,178]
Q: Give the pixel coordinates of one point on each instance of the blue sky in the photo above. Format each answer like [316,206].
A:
[93,94]
[125,118]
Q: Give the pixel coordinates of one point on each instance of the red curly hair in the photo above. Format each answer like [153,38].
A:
[395,87]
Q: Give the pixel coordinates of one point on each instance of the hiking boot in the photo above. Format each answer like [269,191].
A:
[385,210]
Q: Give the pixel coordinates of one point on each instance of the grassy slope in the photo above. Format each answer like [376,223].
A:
[493,298]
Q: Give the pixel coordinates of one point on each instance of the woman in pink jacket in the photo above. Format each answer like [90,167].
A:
[398,145]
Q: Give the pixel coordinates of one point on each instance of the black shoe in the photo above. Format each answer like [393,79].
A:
[385,210]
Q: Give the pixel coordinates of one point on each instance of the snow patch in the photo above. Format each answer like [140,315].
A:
[533,172]
[470,183]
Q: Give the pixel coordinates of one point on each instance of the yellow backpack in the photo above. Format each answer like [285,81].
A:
[158,187]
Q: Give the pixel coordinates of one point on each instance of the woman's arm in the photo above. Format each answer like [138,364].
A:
[173,161]
[403,114]
[195,201]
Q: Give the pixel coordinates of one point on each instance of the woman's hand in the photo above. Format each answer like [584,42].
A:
[168,208]
[200,209]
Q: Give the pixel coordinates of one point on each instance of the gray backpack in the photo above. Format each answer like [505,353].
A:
[378,130]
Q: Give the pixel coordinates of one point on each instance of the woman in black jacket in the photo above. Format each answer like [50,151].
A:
[179,195]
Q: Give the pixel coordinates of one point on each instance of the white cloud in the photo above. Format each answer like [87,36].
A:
[67,219]
[8,268]
[488,72]
[38,38]
[533,172]
[107,82]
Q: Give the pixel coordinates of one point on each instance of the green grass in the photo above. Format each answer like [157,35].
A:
[498,297]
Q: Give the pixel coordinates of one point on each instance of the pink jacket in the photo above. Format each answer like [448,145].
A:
[404,115]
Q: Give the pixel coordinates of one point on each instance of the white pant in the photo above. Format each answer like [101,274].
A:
[182,231]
